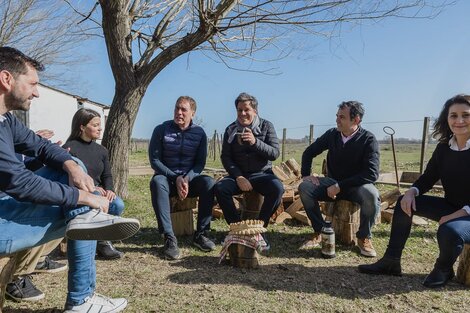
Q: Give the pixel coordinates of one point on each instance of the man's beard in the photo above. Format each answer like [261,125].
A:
[14,101]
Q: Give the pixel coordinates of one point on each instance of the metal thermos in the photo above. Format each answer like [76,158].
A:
[328,241]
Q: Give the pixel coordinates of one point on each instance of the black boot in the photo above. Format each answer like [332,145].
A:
[106,251]
[384,266]
[438,277]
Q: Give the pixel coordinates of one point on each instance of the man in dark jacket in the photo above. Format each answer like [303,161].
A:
[352,168]
[177,153]
[250,145]
[38,207]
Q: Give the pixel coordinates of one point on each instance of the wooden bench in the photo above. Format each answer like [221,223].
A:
[182,215]
[463,271]
[7,268]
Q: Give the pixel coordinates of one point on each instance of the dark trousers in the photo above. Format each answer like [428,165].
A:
[266,184]
[451,236]
[162,189]
[367,196]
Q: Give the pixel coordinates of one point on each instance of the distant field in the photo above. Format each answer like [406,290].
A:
[408,156]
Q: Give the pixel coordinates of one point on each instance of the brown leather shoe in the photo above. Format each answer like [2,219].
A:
[312,243]
[366,247]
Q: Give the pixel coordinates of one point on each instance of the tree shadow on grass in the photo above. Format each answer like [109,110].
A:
[337,281]
[283,245]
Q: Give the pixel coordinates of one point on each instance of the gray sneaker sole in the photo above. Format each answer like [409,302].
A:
[116,231]
[115,310]
[17,299]
[367,253]
[202,248]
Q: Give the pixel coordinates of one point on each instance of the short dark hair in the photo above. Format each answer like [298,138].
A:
[192,102]
[355,109]
[15,62]
[246,97]
[81,118]
[442,130]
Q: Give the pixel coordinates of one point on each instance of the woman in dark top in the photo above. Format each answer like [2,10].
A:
[450,163]
[86,128]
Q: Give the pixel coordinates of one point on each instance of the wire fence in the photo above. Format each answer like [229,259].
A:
[214,147]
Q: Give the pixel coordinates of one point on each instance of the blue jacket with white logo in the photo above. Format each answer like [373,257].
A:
[174,152]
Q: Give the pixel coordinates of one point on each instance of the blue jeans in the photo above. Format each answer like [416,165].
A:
[25,225]
[451,236]
[162,189]
[116,207]
[265,183]
[367,196]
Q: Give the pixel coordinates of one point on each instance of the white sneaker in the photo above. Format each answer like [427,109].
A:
[96,225]
[98,304]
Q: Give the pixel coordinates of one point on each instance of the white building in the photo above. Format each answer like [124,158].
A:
[54,110]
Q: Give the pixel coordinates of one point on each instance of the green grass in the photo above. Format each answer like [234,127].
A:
[289,280]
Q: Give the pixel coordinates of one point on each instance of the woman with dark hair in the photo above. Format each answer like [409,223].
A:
[86,128]
[450,162]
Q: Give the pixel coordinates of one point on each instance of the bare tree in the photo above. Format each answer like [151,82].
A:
[46,30]
[143,37]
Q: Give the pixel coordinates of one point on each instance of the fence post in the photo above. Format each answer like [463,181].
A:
[214,138]
[284,130]
[424,143]
[310,137]
[221,140]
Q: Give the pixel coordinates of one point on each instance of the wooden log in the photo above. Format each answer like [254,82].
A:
[345,218]
[277,170]
[386,215]
[182,218]
[217,212]
[279,210]
[251,205]
[182,222]
[463,271]
[288,171]
[390,196]
[302,217]
[243,256]
[7,268]
[281,218]
[419,221]
[294,207]
[288,195]
[293,166]
[182,205]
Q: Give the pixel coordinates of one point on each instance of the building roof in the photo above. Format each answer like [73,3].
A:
[79,98]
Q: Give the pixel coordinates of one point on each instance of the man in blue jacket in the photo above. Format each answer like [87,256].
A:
[352,168]
[177,153]
[38,207]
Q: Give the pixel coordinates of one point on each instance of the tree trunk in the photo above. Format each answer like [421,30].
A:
[118,133]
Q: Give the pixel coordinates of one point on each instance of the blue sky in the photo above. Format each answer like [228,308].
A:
[400,69]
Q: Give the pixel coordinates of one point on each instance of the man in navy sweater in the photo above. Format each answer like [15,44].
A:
[177,153]
[54,201]
[352,167]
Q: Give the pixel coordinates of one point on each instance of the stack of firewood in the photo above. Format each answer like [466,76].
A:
[291,207]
